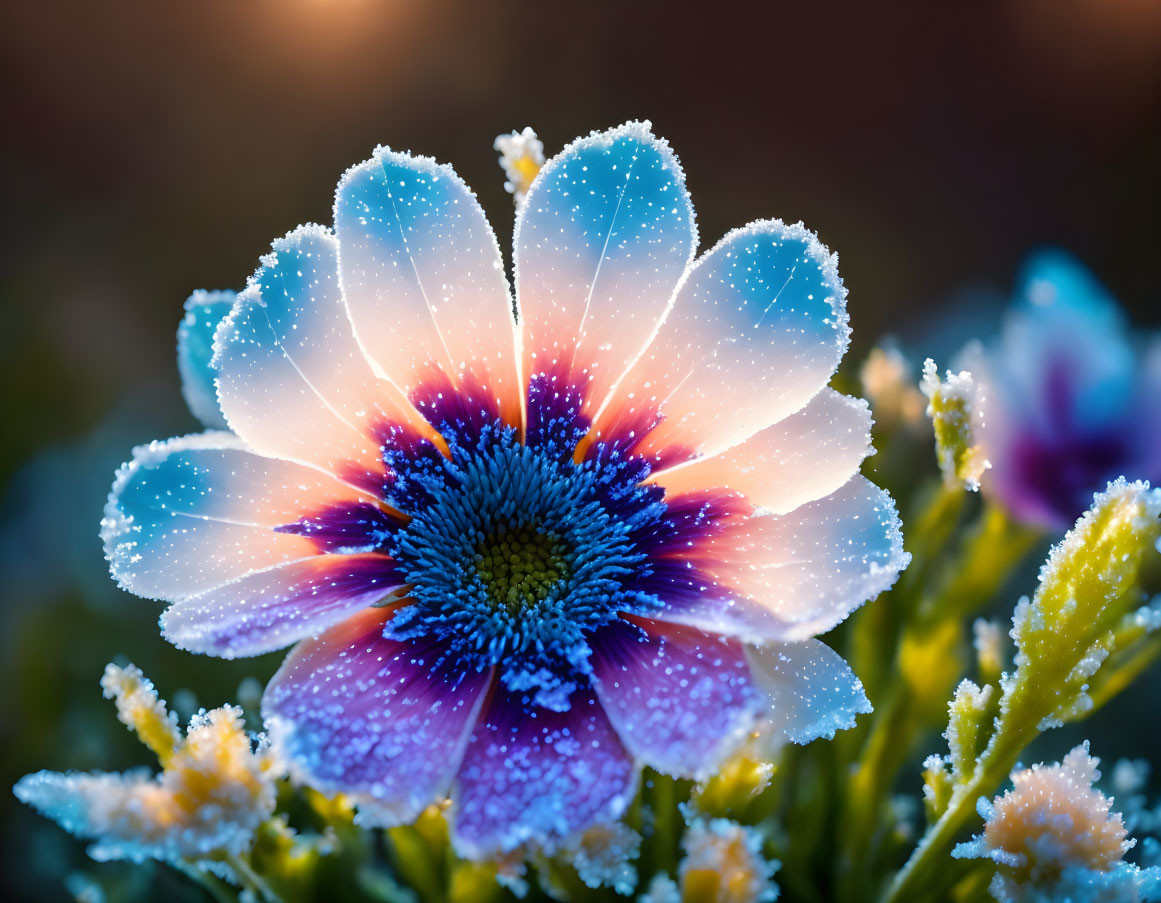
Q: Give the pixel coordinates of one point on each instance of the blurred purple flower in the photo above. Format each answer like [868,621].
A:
[1068,404]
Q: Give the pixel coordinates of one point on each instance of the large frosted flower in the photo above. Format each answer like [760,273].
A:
[521,556]
[1067,405]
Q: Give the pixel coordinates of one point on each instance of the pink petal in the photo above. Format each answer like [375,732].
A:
[279,606]
[423,278]
[804,457]
[292,381]
[606,233]
[756,330]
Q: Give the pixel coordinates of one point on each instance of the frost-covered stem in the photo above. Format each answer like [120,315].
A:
[251,880]
[931,853]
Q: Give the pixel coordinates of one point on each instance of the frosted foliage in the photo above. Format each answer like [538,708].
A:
[680,699]
[723,863]
[1053,836]
[191,514]
[954,406]
[793,576]
[804,457]
[536,775]
[376,719]
[211,797]
[195,350]
[140,709]
[807,691]
[423,278]
[1083,586]
[279,606]
[292,381]
[606,233]
[756,330]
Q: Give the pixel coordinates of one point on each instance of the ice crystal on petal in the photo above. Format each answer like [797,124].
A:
[213,793]
[1053,836]
[952,406]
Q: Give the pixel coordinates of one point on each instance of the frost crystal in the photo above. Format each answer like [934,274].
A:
[604,857]
[1053,836]
[952,406]
[521,156]
[214,791]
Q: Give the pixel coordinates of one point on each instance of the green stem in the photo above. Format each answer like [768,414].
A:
[251,879]
[993,766]
[209,883]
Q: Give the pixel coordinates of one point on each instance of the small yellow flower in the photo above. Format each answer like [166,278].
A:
[723,863]
[521,156]
[214,791]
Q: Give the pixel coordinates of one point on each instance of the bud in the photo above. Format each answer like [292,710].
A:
[952,405]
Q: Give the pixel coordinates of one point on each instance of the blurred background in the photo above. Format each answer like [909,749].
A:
[152,148]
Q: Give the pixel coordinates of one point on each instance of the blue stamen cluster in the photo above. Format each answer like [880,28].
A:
[515,553]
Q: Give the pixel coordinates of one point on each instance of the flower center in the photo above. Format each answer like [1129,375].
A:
[520,567]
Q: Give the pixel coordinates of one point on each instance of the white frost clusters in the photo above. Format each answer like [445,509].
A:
[1054,837]
[723,863]
[953,406]
[214,792]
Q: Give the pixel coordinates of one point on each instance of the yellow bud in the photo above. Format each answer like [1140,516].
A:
[952,405]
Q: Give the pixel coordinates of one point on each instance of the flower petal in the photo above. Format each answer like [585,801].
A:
[381,720]
[680,699]
[756,330]
[423,277]
[195,349]
[791,576]
[807,455]
[193,513]
[533,775]
[292,381]
[605,235]
[810,691]
[279,606]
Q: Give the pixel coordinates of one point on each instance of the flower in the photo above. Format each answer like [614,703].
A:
[1067,404]
[1054,836]
[723,863]
[522,158]
[521,557]
[214,791]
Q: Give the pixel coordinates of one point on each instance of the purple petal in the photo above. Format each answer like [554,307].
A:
[382,721]
[680,699]
[534,775]
[279,606]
